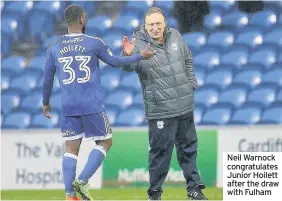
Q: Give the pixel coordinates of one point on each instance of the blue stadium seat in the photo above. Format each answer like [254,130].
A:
[274,6]
[206,96]
[265,57]
[42,17]
[26,81]
[279,96]
[131,117]
[251,77]
[200,74]
[220,76]
[274,76]
[195,40]
[212,20]
[127,23]
[10,26]
[222,39]
[56,101]
[111,79]
[15,64]
[114,40]
[166,6]
[235,19]
[218,115]
[223,5]
[264,19]
[119,98]
[272,115]
[5,44]
[19,10]
[10,100]
[207,59]
[37,63]
[131,80]
[198,113]
[104,23]
[236,95]
[273,66]
[264,94]
[246,115]
[32,102]
[138,99]
[88,6]
[20,120]
[280,58]
[112,114]
[103,66]
[5,79]
[2,5]
[234,57]
[250,66]
[280,20]
[8,34]
[56,84]
[274,37]
[40,121]
[38,23]
[249,38]
[172,22]
[53,8]
[136,7]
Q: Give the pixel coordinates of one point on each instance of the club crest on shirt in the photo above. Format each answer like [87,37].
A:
[160,124]
[174,46]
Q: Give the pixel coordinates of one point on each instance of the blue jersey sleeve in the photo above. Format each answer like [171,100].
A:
[104,53]
[49,72]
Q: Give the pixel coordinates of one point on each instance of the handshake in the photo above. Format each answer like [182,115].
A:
[128,48]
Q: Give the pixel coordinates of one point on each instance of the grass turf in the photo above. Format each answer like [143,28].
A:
[107,194]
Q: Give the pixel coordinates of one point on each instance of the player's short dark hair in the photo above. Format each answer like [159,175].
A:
[73,13]
[154,10]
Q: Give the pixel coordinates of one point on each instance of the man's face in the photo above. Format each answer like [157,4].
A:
[155,25]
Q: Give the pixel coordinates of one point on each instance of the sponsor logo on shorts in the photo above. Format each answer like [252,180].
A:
[67,133]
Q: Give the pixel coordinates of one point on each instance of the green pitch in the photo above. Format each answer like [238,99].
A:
[107,194]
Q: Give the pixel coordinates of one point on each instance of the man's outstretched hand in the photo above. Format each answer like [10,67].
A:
[127,46]
[46,109]
[146,53]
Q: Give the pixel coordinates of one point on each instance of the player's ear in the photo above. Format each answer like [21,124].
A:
[81,20]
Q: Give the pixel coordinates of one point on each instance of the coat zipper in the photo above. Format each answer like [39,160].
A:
[166,54]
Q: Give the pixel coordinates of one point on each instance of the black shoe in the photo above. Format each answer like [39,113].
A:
[196,194]
[155,195]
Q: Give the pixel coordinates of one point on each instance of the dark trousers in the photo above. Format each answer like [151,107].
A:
[163,135]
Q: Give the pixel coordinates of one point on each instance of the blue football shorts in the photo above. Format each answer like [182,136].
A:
[94,126]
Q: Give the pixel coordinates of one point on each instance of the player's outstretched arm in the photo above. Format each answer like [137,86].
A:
[106,56]
[49,72]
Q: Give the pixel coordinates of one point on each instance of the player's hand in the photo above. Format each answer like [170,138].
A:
[147,53]
[46,109]
[127,46]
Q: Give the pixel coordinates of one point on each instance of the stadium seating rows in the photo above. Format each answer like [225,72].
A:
[237,60]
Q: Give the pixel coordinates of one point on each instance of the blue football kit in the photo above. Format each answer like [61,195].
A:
[75,60]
